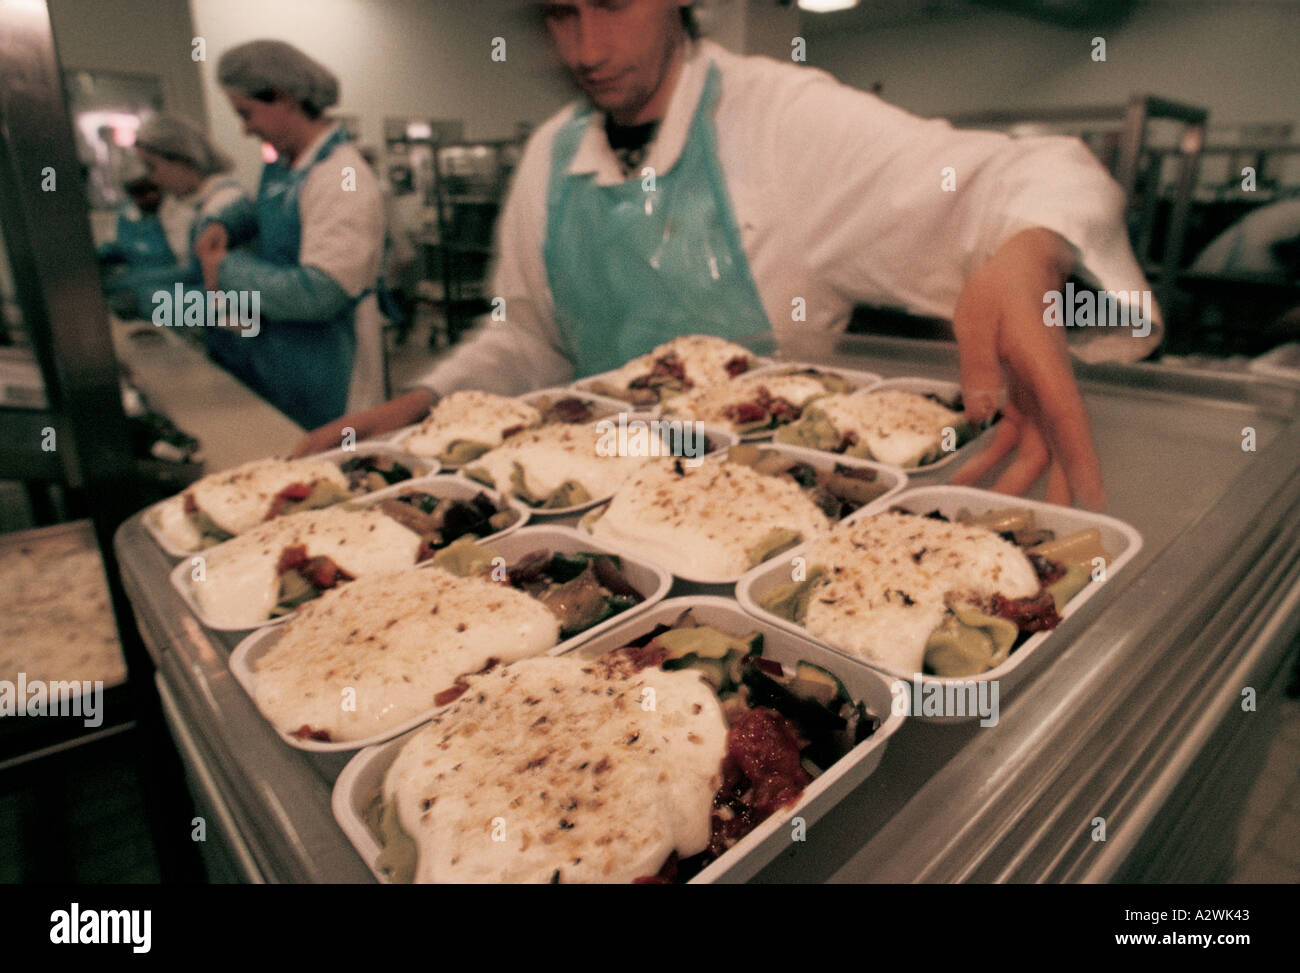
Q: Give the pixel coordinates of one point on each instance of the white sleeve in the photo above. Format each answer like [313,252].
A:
[342,218]
[895,209]
[523,350]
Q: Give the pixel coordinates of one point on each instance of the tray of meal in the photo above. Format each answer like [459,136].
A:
[263,575]
[223,505]
[369,660]
[690,743]
[464,425]
[562,469]
[681,365]
[756,404]
[917,424]
[942,586]
[710,524]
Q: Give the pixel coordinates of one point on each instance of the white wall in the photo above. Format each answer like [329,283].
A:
[422,58]
[1236,57]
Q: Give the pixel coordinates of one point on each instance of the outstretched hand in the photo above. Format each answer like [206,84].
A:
[1010,358]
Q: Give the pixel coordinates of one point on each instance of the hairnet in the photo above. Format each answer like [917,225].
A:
[177,138]
[259,67]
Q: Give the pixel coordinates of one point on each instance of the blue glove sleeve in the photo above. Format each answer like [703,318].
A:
[287,293]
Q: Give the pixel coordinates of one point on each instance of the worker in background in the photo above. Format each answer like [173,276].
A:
[320,237]
[196,175]
[139,257]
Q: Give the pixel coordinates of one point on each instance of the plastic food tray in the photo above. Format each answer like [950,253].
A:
[894,478]
[446,485]
[947,391]
[861,382]
[586,384]
[602,404]
[419,466]
[1120,540]
[649,579]
[718,438]
[363,777]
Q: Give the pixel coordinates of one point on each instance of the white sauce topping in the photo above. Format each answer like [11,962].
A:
[553,454]
[470,415]
[710,404]
[889,576]
[899,427]
[241,586]
[560,762]
[703,522]
[396,641]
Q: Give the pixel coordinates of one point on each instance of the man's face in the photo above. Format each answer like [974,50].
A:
[620,52]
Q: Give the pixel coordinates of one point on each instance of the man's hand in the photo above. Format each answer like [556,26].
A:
[999,322]
[394,414]
[210,248]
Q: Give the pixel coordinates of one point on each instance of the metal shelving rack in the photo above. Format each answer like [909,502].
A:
[469,186]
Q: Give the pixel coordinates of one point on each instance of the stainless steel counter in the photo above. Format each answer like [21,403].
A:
[1138,719]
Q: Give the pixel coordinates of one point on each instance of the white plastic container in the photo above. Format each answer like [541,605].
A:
[451,486]
[859,380]
[362,778]
[1120,540]
[419,467]
[651,581]
[587,384]
[948,392]
[891,476]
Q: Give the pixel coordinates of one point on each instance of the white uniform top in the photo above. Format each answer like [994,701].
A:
[343,235]
[839,199]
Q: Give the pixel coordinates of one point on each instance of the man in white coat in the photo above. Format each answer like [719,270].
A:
[694,190]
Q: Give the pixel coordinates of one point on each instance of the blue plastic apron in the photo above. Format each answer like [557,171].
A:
[302,368]
[631,269]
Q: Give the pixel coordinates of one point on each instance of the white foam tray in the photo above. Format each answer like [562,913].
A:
[649,579]
[1120,540]
[861,382]
[418,466]
[945,390]
[443,485]
[892,476]
[363,777]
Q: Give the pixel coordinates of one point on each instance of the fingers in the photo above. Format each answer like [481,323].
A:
[1031,459]
[1058,487]
[1062,418]
[1005,436]
[975,325]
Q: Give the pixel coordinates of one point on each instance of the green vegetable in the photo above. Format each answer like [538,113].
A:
[790,601]
[463,557]
[461,451]
[813,430]
[398,854]
[969,642]
[1068,585]
[814,682]
[776,540]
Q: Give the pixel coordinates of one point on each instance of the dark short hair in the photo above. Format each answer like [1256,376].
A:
[690,23]
[269,95]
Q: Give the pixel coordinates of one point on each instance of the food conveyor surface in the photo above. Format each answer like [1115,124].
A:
[1147,689]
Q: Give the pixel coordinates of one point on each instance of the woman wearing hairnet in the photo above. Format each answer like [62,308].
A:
[185,165]
[320,226]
